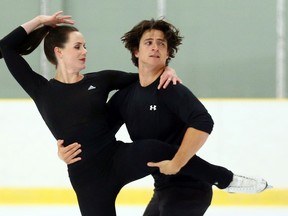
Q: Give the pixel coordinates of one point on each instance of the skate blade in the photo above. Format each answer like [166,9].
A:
[269,187]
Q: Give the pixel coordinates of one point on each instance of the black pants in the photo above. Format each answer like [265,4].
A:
[179,201]
[98,179]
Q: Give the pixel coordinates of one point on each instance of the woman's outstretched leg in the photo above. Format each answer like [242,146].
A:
[133,158]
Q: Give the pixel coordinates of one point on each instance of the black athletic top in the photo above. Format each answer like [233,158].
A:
[73,112]
[163,114]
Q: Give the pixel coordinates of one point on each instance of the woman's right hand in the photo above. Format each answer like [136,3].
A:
[49,20]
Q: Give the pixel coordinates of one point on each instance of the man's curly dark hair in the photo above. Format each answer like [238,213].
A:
[131,39]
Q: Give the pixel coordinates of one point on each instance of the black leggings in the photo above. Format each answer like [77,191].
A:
[98,180]
[175,201]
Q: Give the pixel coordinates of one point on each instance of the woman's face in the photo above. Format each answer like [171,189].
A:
[73,55]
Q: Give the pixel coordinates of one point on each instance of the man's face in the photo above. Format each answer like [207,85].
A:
[153,49]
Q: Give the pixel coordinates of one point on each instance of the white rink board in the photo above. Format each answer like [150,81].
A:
[137,211]
[249,137]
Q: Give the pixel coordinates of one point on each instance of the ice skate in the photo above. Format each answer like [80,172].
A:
[247,185]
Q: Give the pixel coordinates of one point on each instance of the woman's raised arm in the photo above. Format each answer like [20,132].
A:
[49,20]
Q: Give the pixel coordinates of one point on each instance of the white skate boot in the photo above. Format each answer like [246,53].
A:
[247,185]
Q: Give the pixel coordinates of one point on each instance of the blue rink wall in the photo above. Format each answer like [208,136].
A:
[249,137]
[229,48]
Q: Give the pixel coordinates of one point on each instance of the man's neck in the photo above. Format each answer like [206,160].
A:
[149,75]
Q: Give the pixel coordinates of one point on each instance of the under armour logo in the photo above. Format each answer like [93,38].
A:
[91,87]
[153,107]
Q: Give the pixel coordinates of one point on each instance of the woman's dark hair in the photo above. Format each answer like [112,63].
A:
[56,37]
[132,38]
[53,37]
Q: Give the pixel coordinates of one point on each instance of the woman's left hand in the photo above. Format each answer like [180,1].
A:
[168,75]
